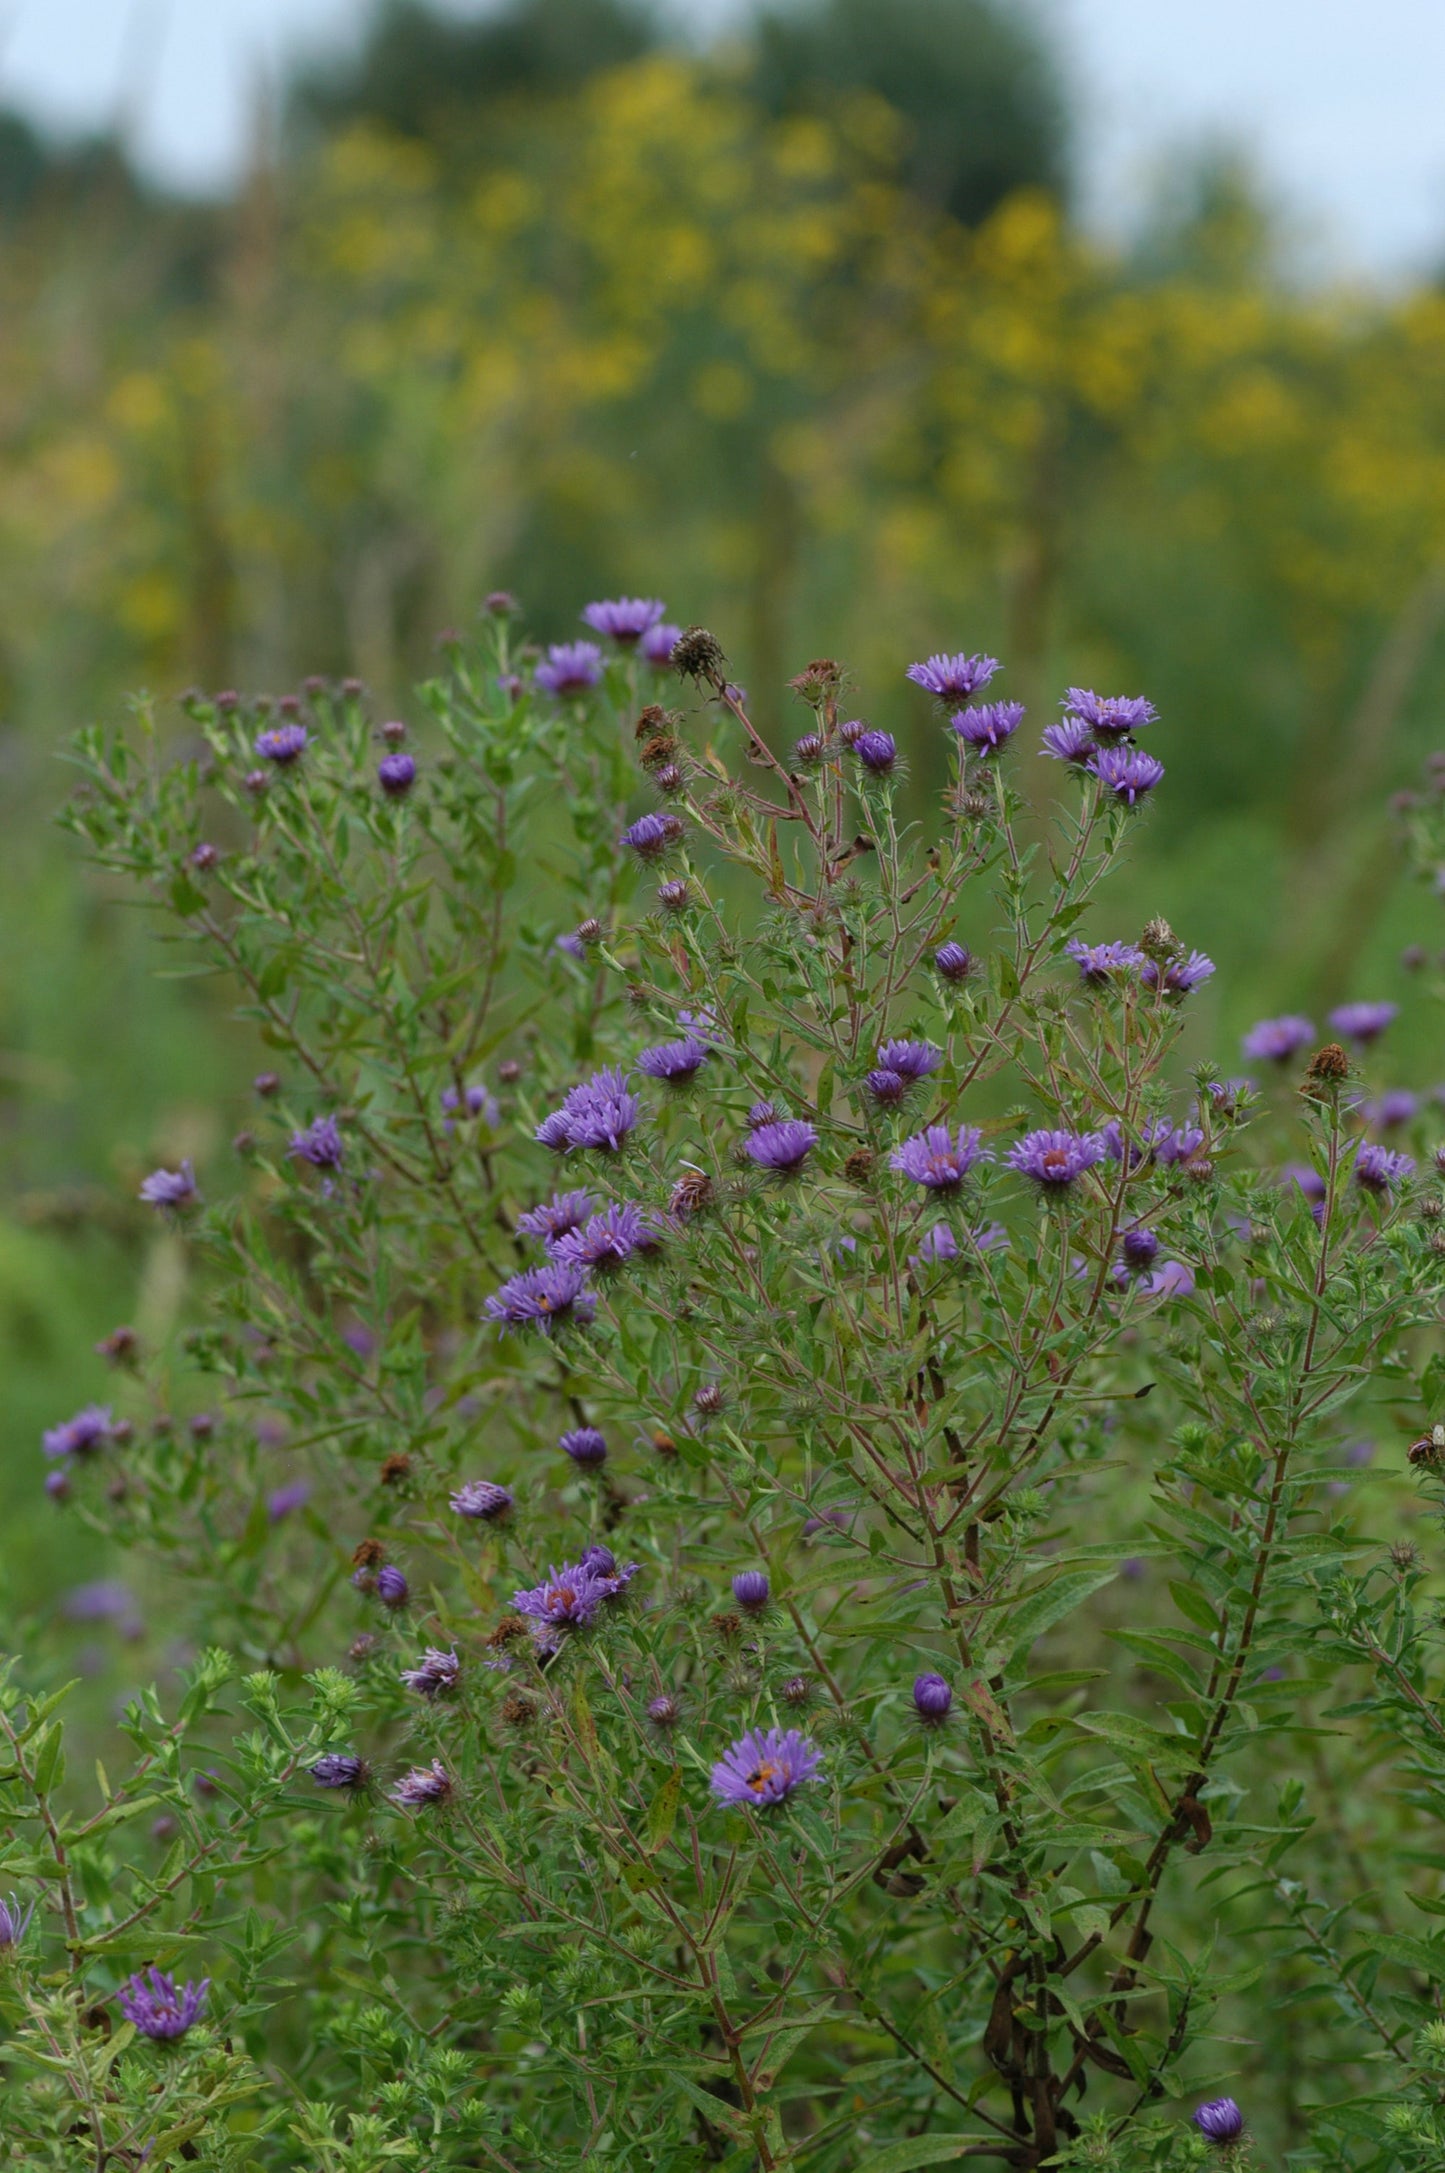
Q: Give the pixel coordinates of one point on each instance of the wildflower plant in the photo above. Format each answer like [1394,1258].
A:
[803,1632]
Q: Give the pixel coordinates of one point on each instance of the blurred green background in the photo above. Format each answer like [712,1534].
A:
[802,334]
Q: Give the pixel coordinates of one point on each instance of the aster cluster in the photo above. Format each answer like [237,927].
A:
[597,1114]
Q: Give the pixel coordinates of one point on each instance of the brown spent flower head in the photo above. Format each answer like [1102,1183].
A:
[664,1443]
[692,1193]
[818,682]
[119,1347]
[654,752]
[1404,1554]
[858,1169]
[1431,1207]
[362,1648]
[727,1626]
[507,1631]
[1328,1066]
[654,718]
[516,1710]
[974,805]
[1160,943]
[396,1468]
[368,1554]
[697,654]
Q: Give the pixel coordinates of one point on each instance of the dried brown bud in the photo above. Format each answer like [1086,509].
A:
[368,1554]
[727,1626]
[507,1631]
[819,681]
[396,1468]
[1431,1207]
[657,750]
[692,1193]
[517,1711]
[1329,1065]
[974,805]
[652,720]
[858,1169]
[664,1443]
[1200,1171]
[1159,942]
[697,654]
[509,1071]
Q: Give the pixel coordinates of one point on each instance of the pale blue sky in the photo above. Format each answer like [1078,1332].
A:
[1342,102]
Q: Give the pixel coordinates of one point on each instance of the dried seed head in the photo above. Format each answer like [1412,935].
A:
[858,1169]
[507,1631]
[516,1710]
[660,748]
[697,654]
[368,1554]
[1329,1065]
[653,719]
[692,1193]
[1159,942]
[663,1444]
[396,1468]
[818,682]
[727,1627]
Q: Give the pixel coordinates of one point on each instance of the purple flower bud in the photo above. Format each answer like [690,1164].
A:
[674,895]
[877,751]
[652,835]
[396,774]
[932,1697]
[751,1589]
[886,1087]
[953,961]
[809,748]
[320,1144]
[1140,1250]
[338,1769]
[287,1498]
[760,1114]
[392,1588]
[663,1712]
[204,858]
[481,1499]
[586,1446]
[1221,2120]
[57,1485]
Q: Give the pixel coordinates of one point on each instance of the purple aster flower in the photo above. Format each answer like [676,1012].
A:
[285,1499]
[283,744]
[552,1132]
[555,1217]
[435,1673]
[886,1087]
[937,1158]
[567,1598]
[784,1146]
[1173,1280]
[953,961]
[1072,742]
[170,1187]
[1275,1041]
[469,1101]
[82,1435]
[339,1769]
[14,1923]
[1113,714]
[571,667]
[1396,1106]
[423,1786]
[658,643]
[1055,1159]
[391,1587]
[764,1766]
[1099,963]
[1173,1143]
[106,1600]
[1221,2120]
[1362,1022]
[152,2002]
[664,1712]
[626,619]
[932,1697]
[57,1486]
[651,835]
[988,725]
[1310,1182]
[396,774]
[936,1245]
[1139,1250]
[585,1445]
[609,1238]
[760,1114]
[571,945]
[877,751]
[544,1297]
[599,1113]
[1126,772]
[1378,1170]
[953,678]
[751,1589]
[481,1498]
[320,1144]
[674,1061]
[674,895]
[914,1059]
[1181,977]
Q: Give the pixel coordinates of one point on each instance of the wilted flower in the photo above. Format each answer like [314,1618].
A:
[555,1217]
[396,774]
[436,1672]
[483,1499]
[932,1697]
[1126,772]
[1377,1170]
[1053,1158]
[1099,963]
[1362,1022]
[339,1769]
[570,667]
[320,1144]
[626,619]
[82,1435]
[651,835]
[939,1159]
[609,1238]
[953,678]
[170,1188]
[283,744]
[152,2002]
[1221,2120]
[988,725]
[751,1589]
[544,1297]
[1275,1041]
[764,1766]
[424,1785]
[674,1061]
[783,1146]
[586,1445]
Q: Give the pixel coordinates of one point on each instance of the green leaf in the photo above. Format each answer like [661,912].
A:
[662,1812]
[1041,1610]
[915,2150]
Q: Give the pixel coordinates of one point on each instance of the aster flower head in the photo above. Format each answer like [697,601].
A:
[764,1766]
[1109,714]
[988,725]
[751,1590]
[761,1113]
[1362,1022]
[1072,742]
[783,1146]
[1275,1041]
[1139,1250]
[1396,1106]
[170,1187]
[158,2009]
[598,1113]
[320,1144]
[658,643]
[1174,1279]
[1181,976]
[284,1501]
[83,1435]
[468,1102]
[422,1787]
[932,1697]
[674,1062]
[1173,1143]
[1309,1181]
[1101,963]
[877,751]
[914,1059]
[392,1588]
[339,1769]
[609,1238]
[555,1217]
[1054,1159]
[586,1446]
[283,744]
[953,961]
[482,1499]
[570,667]
[14,1923]
[1378,1170]
[663,1712]
[886,1087]
[569,1598]
[1126,772]
[652,835]
[435,1673]
[935,1246]
[625,619]
[939,1159]
[953,678]
[1220,2120]
[545,1298]
[396,774]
